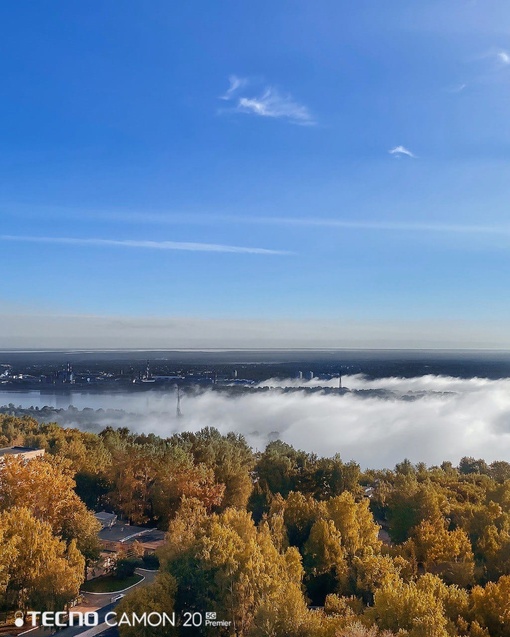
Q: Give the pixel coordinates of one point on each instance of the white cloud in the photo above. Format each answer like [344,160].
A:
[273,104]
[268,103]
[398,151]
[235,84]
[504,57]
[150,245]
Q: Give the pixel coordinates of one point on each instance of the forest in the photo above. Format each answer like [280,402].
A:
[279,543]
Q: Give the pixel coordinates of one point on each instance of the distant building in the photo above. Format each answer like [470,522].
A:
[65,376]
[119,536]
[27,453]
[107,520]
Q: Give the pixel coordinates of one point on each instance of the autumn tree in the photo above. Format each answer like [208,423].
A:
[443,552]
[157,597]
[410,502]
[8,554]
[491,607]
[409,607]
[324,561]
[355,522]
[370,571]
[46,488]
[229,456]
[299,513]
[179,476]
[132,474]
[44,572]
[226,563]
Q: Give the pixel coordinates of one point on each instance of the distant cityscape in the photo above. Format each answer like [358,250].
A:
[135,375]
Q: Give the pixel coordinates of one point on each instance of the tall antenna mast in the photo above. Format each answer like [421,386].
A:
[178,411]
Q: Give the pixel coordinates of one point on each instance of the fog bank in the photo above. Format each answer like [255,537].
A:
[471,417]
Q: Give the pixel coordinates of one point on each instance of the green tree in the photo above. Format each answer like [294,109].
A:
[230,457]
[157,597]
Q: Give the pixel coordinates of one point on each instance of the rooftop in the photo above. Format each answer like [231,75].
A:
[123,533]
[17,451]
[106,519]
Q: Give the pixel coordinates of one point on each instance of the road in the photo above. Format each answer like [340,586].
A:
[97,600]
[100,603]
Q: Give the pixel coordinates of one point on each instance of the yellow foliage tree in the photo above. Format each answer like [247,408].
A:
[355,523]
[45,573]
[491,606]
[445,553]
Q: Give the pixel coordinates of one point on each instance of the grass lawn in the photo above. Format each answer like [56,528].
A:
[109,583]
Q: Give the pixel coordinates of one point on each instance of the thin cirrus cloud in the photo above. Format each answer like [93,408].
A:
[400,151]
[457,88]
[150,245]
[147,218]
[375,225]
[235,84]
[269,102]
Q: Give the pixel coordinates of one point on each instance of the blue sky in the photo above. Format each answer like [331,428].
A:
[327,162]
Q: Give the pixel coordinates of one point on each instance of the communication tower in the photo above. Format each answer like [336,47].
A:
[178,410]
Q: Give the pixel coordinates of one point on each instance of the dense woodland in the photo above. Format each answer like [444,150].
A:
[281,543]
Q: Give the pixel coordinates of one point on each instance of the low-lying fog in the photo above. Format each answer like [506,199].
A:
[471,418]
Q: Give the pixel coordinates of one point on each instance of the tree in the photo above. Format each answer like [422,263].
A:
[179,476]
[276,468]
[491,607]
[8,554]
[46,488]
[355,523]
[399,606]
[299,513]
[359,630]
[445,553]
[500,470]
[132,474]
[494,548]
[410,502]
[228,456]
[371,571]
[223,561]
[324,561]
[157,597]
[45,573]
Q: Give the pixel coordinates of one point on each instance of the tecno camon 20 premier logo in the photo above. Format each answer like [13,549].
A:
[49,619]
